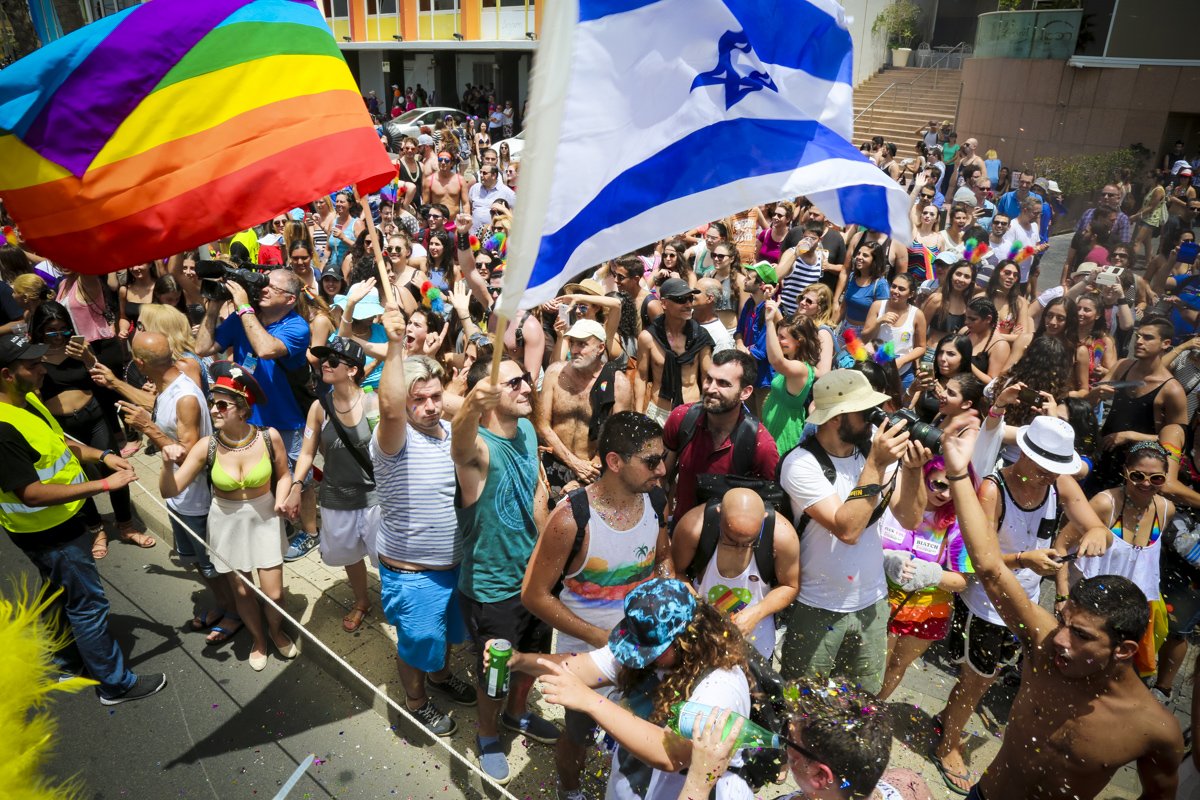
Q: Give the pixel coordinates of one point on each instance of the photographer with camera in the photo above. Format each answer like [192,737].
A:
[839,482]
[269,340]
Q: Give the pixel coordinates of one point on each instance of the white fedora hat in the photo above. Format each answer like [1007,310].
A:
[1050,443]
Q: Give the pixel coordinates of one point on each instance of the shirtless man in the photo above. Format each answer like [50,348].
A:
[679,338]
[1140,414]
[1081,712]
[447,187]
[568,418]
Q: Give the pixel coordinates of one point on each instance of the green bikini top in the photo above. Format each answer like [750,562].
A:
[259,475]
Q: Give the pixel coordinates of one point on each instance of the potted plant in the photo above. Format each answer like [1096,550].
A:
[899,21]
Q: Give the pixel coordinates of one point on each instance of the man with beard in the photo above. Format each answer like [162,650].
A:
[1080,713]
[41,492]
[673,352]
[494,448]
[578,395]
[707,443]
[838,624]
[622,544]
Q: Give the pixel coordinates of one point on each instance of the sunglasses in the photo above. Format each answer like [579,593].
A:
[779,216]
[1155,478]
[686,300]
[56,334]
[496,211]
[937,485]
[333,361]
[807,301]
[435,218]
[653,461]
[223,406]
[515,383]
[395,251]
[720,256]
[280,223]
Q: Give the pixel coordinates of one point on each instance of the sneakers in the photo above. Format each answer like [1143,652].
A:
[301,546]
[433,718]
[455,689]
[144,686]
[533,726]
[493,761]
[573,794]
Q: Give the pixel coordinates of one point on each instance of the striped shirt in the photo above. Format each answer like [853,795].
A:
[416,497]
[800,278]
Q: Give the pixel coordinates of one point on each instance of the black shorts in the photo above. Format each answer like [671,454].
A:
[988,647]
[506,619]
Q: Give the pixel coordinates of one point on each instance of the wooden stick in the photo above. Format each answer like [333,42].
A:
[498,345]
[385,281]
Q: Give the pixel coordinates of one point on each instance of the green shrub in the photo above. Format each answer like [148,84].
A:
[899,21]
[1085,174]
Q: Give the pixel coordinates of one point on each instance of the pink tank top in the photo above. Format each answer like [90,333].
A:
[88,318]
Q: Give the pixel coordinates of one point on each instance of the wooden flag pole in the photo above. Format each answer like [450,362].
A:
[498,345]
[385,281]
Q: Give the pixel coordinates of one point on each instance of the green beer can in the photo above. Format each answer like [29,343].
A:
[499,652]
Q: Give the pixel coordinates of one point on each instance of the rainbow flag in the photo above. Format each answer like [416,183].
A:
[175,123]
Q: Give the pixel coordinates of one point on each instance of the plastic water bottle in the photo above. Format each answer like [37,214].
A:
[684,717]
[371,407]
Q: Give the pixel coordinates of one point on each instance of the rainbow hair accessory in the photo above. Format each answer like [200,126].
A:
[474,243]
[431,298]
[854,345]
[10,235]
[886,353]
[497,243]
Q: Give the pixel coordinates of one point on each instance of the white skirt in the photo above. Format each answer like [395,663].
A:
[247,534]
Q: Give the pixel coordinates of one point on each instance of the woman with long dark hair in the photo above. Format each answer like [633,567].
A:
[951,357]
[441,260]
[1061,321]
[896,321]
[793,350]
[1094,335]
[866,285]
[701,254]
[1004,292]
[989,352]
[946,309]
[1046,370]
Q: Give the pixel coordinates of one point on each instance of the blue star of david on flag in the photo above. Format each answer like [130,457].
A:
[736,86]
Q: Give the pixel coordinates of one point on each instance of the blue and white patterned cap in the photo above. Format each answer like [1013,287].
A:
[655,614]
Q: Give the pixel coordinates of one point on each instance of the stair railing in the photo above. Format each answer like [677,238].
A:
[906,88]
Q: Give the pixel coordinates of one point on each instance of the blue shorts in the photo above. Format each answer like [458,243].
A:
[424,608]
[190,551]
[293,441]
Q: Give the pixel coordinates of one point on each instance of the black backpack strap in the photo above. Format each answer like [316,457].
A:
[706,546]
[827,469]
[658,501]
[688,425]
[745,443]
[581,509]
[764,553]
[340,429]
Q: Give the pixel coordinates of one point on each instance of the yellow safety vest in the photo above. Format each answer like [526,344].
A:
[56,464]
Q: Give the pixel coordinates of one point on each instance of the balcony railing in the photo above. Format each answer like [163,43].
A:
[1028,34]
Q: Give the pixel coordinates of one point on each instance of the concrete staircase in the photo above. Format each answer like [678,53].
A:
[897,115]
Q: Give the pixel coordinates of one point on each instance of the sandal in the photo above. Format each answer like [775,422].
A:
[354,620]
[131,535]
[130,449]
[949,777]
[200,618]
[220,634]
[99,543]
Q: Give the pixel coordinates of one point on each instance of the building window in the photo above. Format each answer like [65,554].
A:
[424,5]
[513,3]
[387,6]
[341,8]
[445,5]
[372,7]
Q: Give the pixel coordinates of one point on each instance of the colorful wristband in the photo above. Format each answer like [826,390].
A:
[244,309]
[104,485]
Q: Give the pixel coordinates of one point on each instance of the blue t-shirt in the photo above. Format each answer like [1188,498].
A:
[378,336]
[860,298]
[280,410]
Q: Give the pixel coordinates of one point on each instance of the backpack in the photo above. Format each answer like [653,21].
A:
[764,551]
[581,510]
[827,469]
[768,708]
[745,442]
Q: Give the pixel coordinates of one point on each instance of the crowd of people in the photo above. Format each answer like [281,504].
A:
[766,445]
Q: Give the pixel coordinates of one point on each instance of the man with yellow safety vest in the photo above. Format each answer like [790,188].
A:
[42,489]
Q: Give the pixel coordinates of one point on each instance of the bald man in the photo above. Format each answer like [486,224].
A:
[743,558]
[704,311]
[181,417]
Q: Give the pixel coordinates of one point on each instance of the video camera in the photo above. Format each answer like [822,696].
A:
[212,273]
[918,431]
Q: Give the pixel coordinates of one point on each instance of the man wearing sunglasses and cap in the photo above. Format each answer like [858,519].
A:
[674,352]
[42,489]
[1023,502]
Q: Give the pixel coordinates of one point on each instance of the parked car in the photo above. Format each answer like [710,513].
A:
[410,122]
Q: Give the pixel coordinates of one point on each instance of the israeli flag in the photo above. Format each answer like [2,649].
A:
[649,117]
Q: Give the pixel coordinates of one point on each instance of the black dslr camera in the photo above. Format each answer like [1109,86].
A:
[212,273]
[918,431]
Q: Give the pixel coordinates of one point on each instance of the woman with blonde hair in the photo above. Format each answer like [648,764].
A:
[30,291]
[172,323]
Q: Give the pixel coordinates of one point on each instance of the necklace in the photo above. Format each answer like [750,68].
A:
[357,400]
[241,445]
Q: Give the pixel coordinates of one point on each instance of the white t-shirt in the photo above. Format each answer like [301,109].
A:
[720,335]
[834,576]
[722,688]
[195,500]
[1025,237]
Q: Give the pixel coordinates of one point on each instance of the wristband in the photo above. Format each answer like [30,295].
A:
[992,412]
[106,454]
[1123,301]
[962,477]
[244,309]
[865,491]
[1060,598]
[104,485]
[464,241]
[1019,564]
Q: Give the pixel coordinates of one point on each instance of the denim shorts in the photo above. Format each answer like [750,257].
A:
[293,441]
[189,550]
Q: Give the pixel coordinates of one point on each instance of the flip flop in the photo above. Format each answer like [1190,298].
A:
[222,634]
[948,776]
[130,449]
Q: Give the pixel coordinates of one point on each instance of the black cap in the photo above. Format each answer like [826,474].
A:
[18,347]
[675,287]
[348,350]
[332,270]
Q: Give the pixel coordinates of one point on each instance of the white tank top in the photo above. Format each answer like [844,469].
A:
[194,501]
[1138,564]
[901,336]
[731,595]
[1018,532]
[616,562]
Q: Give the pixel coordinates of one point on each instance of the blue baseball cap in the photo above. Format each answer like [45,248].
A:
[655,614]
